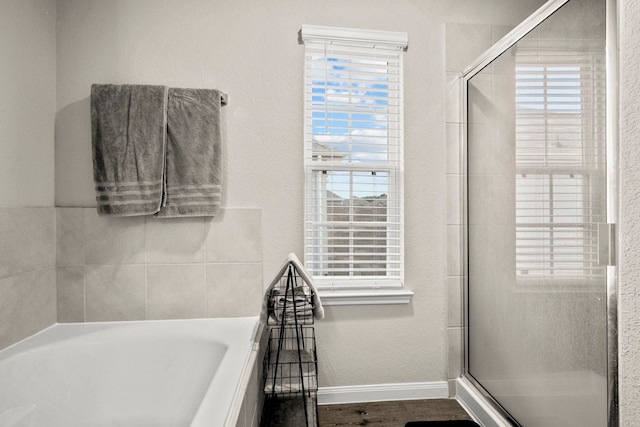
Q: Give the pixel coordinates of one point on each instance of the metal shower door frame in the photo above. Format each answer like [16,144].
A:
[612,97]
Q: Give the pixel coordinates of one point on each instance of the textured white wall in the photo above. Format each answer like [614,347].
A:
[249,49]
[27,103]
[629,263]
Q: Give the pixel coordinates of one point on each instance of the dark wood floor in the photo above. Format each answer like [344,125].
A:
[390,414]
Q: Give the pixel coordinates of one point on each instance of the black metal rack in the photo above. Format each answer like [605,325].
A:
[290,365]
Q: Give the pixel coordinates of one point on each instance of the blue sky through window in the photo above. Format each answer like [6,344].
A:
[349,117]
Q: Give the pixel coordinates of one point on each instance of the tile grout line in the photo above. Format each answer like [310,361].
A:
[206,284]
[55,259]
[84,266]
[146,271]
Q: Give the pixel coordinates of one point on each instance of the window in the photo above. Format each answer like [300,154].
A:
[353,137]
[560,163]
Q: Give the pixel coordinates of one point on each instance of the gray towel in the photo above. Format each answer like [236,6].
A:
[128,126]
[193,170]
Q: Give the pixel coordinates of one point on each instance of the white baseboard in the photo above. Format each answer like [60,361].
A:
[383,392]
[473,402]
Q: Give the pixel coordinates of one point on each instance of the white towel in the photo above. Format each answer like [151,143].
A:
[292,259]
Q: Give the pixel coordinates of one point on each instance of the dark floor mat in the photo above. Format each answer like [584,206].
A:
[452,423]
[289,412]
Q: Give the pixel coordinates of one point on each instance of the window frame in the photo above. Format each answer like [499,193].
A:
[348,290]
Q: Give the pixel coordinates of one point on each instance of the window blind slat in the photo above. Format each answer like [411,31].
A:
[560,161]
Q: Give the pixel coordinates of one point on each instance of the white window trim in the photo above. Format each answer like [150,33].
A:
[365,297]
[392,39]
[354,291]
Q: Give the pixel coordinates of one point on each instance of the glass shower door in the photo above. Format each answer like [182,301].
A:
[536,167]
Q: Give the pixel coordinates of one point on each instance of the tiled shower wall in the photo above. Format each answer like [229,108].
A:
[144,268]
[27,272]
[464,43]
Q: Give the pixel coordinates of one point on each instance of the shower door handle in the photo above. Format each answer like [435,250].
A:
[606,244]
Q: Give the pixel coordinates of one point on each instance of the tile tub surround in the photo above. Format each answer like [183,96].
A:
[138,268]
[27,240]
[27,272]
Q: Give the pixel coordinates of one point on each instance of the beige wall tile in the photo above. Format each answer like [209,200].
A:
[174,240]
[69,237]
[504,64]
[234,290]
[27,240]
[454,294]
[176,291]
[491,150]
[454,265]
[113,240]
[115,292]
[480,100]
[454,352]
[70,289]
[478,149]
[504,101]
[27,304]
[453,148]
[453,113]
[454,209]
[235,236]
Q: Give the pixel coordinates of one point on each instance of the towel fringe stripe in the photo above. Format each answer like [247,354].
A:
[127,183]
[126,202]
[194,186]
[203,203]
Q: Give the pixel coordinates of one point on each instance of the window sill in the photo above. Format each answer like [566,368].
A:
[365,296]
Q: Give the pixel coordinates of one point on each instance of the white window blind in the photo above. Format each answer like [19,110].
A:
[560,162]
[353,137]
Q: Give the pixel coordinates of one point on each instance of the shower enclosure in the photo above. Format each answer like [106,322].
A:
[540,279]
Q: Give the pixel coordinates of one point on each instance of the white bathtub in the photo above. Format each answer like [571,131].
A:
[175,373]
